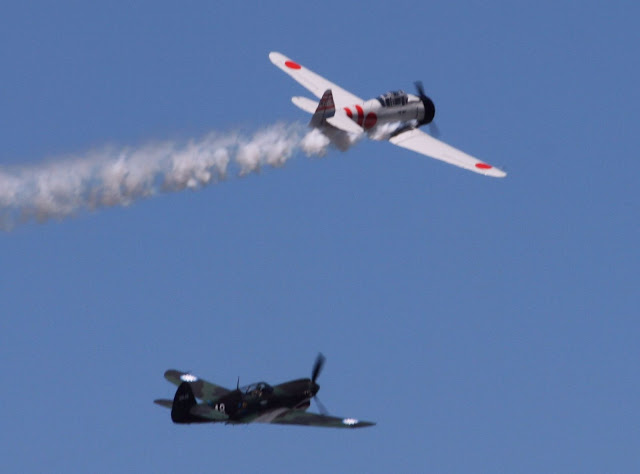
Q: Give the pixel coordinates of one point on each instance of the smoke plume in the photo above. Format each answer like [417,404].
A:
[112,177]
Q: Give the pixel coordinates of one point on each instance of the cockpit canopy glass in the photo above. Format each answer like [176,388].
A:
[258,388]
[393,98]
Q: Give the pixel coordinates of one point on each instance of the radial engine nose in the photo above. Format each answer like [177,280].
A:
[429,110]
[429,107]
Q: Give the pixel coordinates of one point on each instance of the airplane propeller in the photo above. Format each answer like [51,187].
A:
[321,407]
[420,88]
[434,131]
[429,110]
[317,368]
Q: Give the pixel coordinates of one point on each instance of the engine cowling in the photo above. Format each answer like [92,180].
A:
[429,110]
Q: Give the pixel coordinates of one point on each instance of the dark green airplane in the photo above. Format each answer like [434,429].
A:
[283,404]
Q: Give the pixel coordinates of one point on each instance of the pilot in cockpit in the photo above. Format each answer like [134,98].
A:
[258,390]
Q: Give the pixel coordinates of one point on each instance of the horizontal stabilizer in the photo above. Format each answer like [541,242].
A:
[306,104]
[339,119]
[164,403]
[344,123]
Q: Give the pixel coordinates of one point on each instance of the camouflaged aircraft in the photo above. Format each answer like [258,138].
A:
[283,404]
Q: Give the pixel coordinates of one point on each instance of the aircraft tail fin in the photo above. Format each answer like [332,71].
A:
[183,402]
[326,109]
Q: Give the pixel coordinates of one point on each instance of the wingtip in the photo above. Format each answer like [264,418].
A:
[489,170]
[275,56]
[499,174]
[364,424]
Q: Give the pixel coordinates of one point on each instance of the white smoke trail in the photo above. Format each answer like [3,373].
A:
[111,177]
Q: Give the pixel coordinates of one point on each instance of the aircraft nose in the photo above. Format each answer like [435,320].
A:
[314,388]
[429,109]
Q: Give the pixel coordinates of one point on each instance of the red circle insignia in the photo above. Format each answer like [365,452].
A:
[370,120]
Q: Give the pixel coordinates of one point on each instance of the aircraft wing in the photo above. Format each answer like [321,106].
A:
[420,142]
[300,417]
[313,82]
[201,388]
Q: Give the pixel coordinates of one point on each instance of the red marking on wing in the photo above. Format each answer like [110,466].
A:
[360,115]
[348,111]
[370,120]
[483,166]
[292,65]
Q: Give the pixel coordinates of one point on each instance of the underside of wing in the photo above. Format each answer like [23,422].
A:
[313,82]
[420,142]
[299,417]
[201,388]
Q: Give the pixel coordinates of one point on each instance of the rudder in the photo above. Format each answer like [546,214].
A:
[183,402]
[326,109]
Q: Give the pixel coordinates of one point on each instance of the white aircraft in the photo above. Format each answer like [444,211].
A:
[397,113]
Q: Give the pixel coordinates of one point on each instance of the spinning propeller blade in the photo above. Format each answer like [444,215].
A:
[434,131]
[429,109]
[323,410]
[317,367]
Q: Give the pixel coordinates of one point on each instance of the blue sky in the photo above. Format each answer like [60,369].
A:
[485,325]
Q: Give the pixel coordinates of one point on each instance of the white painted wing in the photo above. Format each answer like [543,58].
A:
[315,83]
[420,142]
